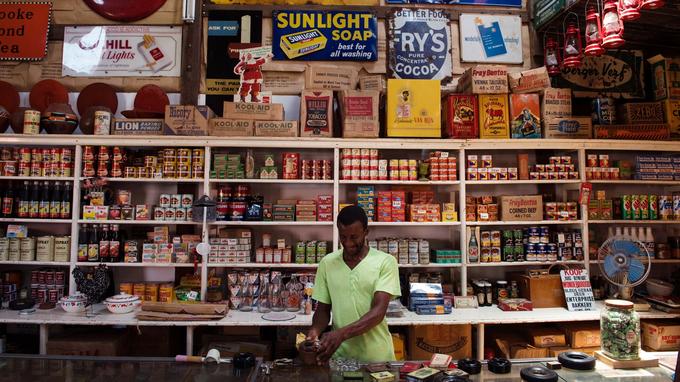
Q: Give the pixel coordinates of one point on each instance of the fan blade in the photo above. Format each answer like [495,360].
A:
[636,270]
[612,270]
[626,246]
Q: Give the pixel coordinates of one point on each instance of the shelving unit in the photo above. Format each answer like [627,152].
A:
[330,148]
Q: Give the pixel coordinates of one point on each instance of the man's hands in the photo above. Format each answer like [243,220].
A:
[312,334]
[330,342]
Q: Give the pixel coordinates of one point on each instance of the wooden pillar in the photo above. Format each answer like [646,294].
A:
[191,57]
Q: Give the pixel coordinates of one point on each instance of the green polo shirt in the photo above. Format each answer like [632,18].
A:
[350,294]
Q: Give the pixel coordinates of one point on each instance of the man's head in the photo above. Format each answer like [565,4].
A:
[353,228]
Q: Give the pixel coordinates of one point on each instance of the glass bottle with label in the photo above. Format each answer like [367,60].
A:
[34,206]
[93,245]
[473,248]
[55,201]
[8,201]
[24,201]
[66,202]
[104,244]
[83,241]
[620,330]
[44,205]
[114,243]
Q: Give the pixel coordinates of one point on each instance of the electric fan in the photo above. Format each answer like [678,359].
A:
[625,263]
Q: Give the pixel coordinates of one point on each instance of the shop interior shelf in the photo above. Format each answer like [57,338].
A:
[272,223]
[37,263]
[411,224]
[36,221]
[654,261]
[532,222]
[404,182]
[149,180]
[39,178]
[642,182]
[133,265]
[137,222]
[281,181]
[314,266]
[636,222]
[522,263]
[480,182]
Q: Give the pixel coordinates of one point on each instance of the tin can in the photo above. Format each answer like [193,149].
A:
[665,207]
[198,156]
[31,122]
[627,204]
[552,252]
[103,154]
[165,200]
[604,111]
[508,253]
[530,252]
[159,213]
[485,255]
[496,256]
[42,295]
[59,278]
[676,206]
[653,207]
[534,235]
[126,288]
[138,289]
[635,203]
[102,122]
[52,295]
[88,153]
[187,200]
[541,252]
[644,207]
[131,172]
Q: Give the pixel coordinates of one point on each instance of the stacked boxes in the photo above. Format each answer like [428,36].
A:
[480,167]
[366,200]
[282,253]
[236,247]
[427,299]
[599,167]
[324,208]
[424,212]
[269,170]
[482,208]
[310,252]
[406,251]
[446,256]
[228,166]
[660,167]
[559,168]
[284,210]
[443,166]
[305,210]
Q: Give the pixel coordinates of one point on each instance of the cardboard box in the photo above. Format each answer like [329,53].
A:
[276,128]
[546,336]
[529,81]
[513,345]
[569,127]
[664,74]
[137,126]
[188,119]
[336,77]
[425,340]
[661,335]
[544,291]
[671,109]
[582,334]
[648,132]
[460,117]
[373,82]
[556,104]
[642,112]
[253,111]
[413,108]
[525,116]
[561,349]
[316,113]
[494,120]
[484,79]
[99,344]
[521,208]
[227,127]
[360,112]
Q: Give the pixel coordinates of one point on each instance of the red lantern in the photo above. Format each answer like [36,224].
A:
[572,47]
[629,10]
[612,26]
[652,4]
[593,33]
[551,56]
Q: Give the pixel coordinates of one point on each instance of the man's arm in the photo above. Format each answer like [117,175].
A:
[320,320]
[332,340]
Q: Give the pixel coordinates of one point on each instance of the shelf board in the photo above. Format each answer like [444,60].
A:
[636,222]
[41,221]
[148,180]
[314,266]
[139,265]
[488,182]
[37,263]
[520,263]
[137,222]
[280,181]
[533,222]
[38,178]
[404,182]
[654,261]
[270,223]
[411,224]
[642,182]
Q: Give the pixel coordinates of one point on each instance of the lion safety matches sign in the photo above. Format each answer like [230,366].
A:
[23,30]
[122,51]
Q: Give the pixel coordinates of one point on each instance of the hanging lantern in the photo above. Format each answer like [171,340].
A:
[593,33]
[612,26]
[629,10]
[552,57]
[572,47]
[652,4]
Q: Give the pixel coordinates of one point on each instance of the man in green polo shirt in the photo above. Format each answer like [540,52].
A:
[355,283]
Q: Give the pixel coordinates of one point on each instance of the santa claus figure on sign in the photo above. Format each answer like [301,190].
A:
[250,70]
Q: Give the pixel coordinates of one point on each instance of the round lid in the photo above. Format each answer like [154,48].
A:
[125,10]
[621,304]
[151,98]
[75,297]
[47,92]
[9,97]
[123,297]
[502,282]
[97,94]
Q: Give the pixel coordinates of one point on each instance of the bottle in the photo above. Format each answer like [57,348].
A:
[114,244]
[93,244]
[641,239]
[65,212]
[650,243]
[83,240]
[514,289]
[55,201]
[104,244]
[44,206]
[24,201]
[610,232]
[34,207]
[8,201]
[618,231]
[473,248]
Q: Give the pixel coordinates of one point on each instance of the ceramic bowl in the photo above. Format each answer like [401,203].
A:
[657,287]
[122,303]
[16,121]
[59,118]
[74,303]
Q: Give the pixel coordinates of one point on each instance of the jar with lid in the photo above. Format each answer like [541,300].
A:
[502,291]
[514,290]
[488,294]
[620,330]
[479,292]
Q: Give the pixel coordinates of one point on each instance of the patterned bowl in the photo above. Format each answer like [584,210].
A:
[122,303]
[74,303]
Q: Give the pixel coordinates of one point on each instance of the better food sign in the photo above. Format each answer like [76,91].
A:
[325,36]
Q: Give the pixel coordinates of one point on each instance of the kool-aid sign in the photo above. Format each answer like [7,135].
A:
[420,44]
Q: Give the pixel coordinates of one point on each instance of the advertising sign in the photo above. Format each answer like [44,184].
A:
[491,38]
[616,73]
[419,44]
[498,3]
[122,50]
[23,30]
[325,36]
[577,290]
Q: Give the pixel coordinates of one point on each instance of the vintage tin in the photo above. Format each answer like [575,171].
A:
[102,122]
[644,207]
[461,115]
[627,207]
[493,116]
[665,207]
[653,207]
[604,111]
[31,122]
[635,202]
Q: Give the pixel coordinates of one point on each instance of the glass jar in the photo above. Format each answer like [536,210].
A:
[502,291]
[264,304]
[620,330]
[277,297]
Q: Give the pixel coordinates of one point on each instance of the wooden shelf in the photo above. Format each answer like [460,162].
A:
[536,222]
[269,223]
[506,182]
[37,263]
[411,224]
[520,263]
[636,222]
[149,180]
[277,181]
[39,178]
[35,221]
[138,222]
[404,182]
[138,265]
[636,182]
[314,266]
